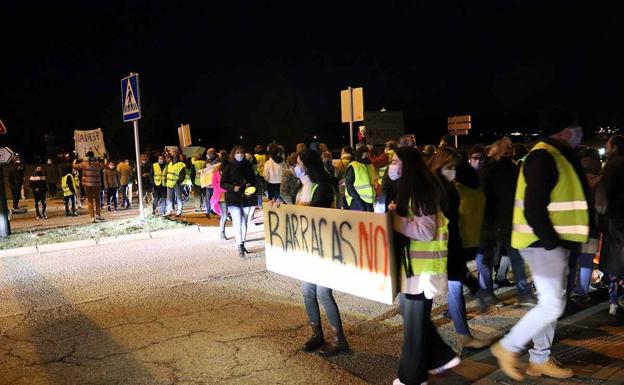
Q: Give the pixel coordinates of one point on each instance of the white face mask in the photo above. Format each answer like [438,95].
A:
[299,172]
[239,157]
[449,173]
[394,171]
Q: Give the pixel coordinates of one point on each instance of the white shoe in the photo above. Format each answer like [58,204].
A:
[449,365]
[613,309]
[398,382]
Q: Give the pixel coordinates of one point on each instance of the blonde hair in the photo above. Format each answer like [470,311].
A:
[501,148]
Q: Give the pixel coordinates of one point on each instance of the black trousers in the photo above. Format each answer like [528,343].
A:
[274,190]
[17,194]
[67,200]
[423,348]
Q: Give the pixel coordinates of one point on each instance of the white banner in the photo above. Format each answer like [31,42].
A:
[90,140]
[350,251]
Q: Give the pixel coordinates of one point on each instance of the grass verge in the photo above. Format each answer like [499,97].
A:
[95,231]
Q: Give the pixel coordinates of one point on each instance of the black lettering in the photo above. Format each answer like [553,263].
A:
[343,224]
[336,243]
[320,235]
[289,234]
[315,240]
[295,221]
[273,229]
[304,230]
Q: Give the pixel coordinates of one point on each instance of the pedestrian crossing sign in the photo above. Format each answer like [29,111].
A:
[130,99]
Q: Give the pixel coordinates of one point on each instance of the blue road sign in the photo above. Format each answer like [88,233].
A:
[130,98]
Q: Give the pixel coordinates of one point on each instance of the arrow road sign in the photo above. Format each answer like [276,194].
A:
[130,98]
[6,155]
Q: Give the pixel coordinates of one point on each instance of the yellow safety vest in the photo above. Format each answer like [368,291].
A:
[199,165]
[260,161]
[159,174]
[471,212]
[362,183]
[384,169]
[173,173]
[567,209]
[66,191]
[187,177]
[428,259]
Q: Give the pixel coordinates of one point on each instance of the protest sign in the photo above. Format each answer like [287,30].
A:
[89,140]
[205,175]
[349,251]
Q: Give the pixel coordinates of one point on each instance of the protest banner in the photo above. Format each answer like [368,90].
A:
[349,251]
[89,140]
[205,175]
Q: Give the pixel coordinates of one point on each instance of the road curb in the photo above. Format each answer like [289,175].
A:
[103,241]
[16,252]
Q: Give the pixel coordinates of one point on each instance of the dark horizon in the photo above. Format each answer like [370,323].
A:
[271,70]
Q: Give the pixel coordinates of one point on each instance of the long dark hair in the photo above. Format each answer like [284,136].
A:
[233,152]
[314,166]
[418,189]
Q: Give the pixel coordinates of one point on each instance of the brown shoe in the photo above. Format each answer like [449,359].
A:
[470,342]
[316,341]
[507,361]
[337,345]
[550,368]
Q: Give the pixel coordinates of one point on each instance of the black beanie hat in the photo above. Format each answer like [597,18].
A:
[554,119]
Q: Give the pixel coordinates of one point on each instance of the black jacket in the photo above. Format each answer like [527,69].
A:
[612,179]
[499,185]
[238,174]
[450,208]
[541,176]
[16,177]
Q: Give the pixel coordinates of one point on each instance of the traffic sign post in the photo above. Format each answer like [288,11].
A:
[352,106]
[131,106]
[459,125]
[6,155]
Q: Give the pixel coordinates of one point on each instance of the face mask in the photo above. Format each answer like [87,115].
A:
[475,163]
[112,167]
[299,172]
[239,157]
[576,138]
[365,155]
[49,162]
[394,172]
[449,173]
[161,162]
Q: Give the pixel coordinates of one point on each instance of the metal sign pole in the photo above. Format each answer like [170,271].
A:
[5,225]
[351,117]
[456,141]
[138,167]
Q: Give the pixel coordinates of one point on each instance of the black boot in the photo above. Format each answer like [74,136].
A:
[316,341]
[337,345]
[244,249]
[241,251]
[222,235]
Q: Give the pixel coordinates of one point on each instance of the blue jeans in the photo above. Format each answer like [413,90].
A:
[487,260]
[160,199]
[207,196]
[125,202]
[457,307]
[585,263]
[240,216]
[174,193]
[312,295]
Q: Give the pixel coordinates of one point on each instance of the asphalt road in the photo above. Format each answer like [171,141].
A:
[188,310]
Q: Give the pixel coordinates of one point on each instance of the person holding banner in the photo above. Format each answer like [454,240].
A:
[421,238]
[315,190]
[91,181]
[239,181]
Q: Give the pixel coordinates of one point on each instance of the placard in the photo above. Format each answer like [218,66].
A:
[89,140]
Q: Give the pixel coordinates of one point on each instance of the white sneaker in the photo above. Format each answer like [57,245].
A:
[613,309]
[449,365]
[398,382]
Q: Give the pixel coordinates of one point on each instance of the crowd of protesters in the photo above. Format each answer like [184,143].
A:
[554,208]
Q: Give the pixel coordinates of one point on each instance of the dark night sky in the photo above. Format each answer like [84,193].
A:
[268,69]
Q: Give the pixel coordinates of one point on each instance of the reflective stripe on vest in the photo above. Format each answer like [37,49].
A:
[430,257]
[66,191]
[159,174]
[199,165]
[173,173]
[567,209]
[362,183]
